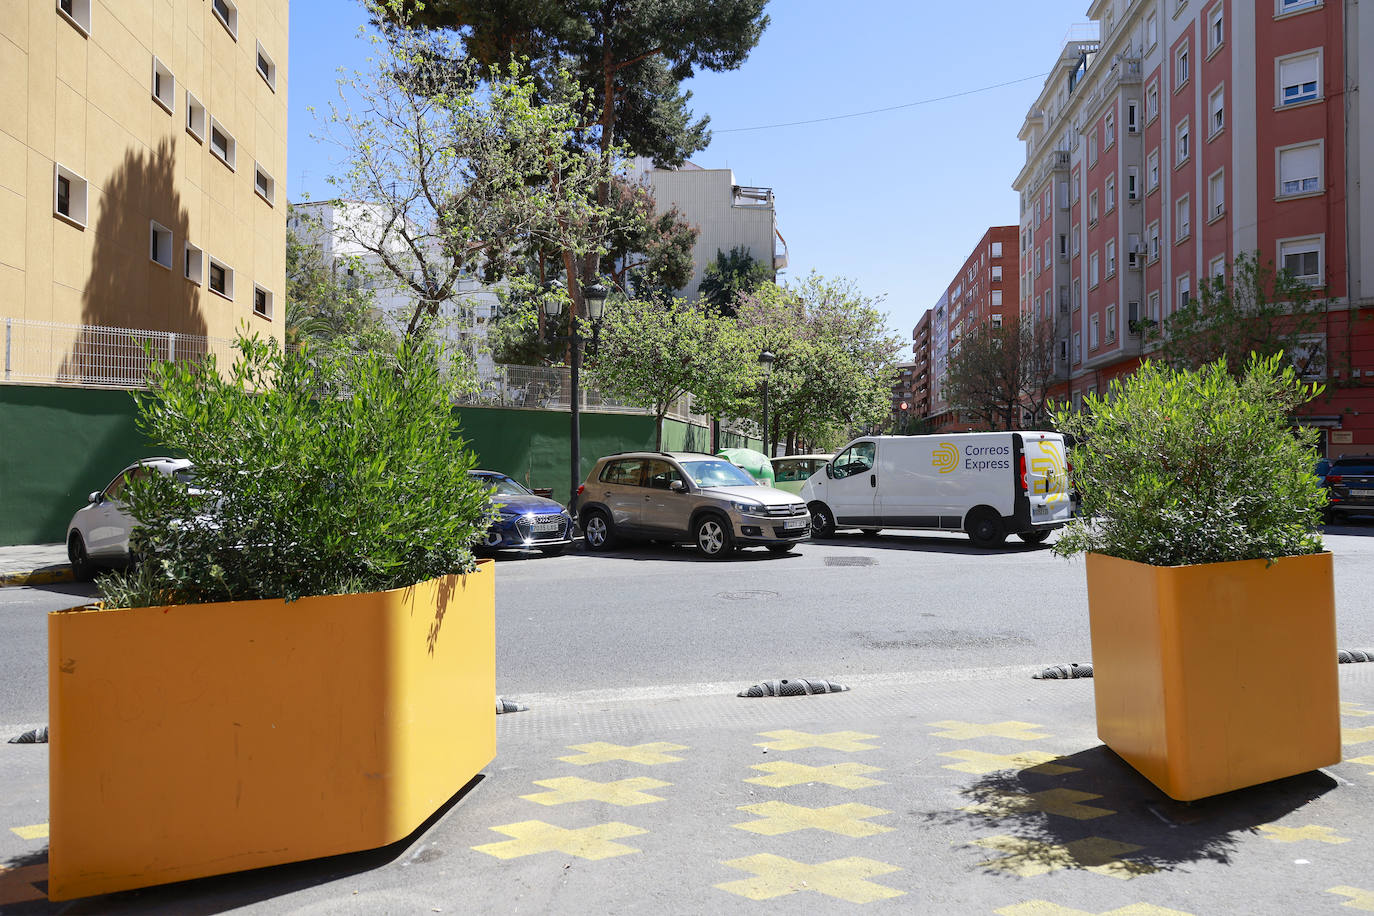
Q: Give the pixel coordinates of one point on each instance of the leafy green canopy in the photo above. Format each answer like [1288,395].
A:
[730,276]
[1183,467]
[330,305]
[315,473]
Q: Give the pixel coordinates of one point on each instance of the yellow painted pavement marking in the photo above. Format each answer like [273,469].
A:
[1357,735]
[17,884]
[777,818]
[622,792]
[1018,731]
[1027,858]
[1298,834]
[842,775]
[31,832]
[1063,802]
[601,752]
[789,740]
[1360,899]
[1355,709]
[1045,908]
[981,762]
[533,837]
[1366,759]
[846,879]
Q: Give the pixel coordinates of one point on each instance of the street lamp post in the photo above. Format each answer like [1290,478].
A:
[766,361]
[595,297]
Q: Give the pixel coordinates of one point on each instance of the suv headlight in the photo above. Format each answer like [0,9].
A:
[746,508]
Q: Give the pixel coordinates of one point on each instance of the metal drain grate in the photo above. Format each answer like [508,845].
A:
[850,561]
[747,595]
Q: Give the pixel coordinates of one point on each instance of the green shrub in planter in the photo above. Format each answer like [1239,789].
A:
[316,473]
[1185,467]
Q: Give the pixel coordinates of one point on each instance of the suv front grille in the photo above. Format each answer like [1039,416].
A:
[786,511]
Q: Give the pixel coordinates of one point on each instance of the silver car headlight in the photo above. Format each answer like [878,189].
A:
[747,508]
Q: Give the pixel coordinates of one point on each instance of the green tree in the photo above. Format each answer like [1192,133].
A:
[994,373]
[1257,310]
[649,253]
[329,305]
[731,276]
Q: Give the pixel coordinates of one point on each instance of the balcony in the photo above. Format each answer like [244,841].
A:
[745,196]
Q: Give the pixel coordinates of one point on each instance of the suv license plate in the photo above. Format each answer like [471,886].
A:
[792,523]
[1362,492]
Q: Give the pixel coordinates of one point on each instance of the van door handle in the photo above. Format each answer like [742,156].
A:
[872,480]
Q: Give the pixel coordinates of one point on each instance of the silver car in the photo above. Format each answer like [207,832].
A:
[680,497]
[98,534]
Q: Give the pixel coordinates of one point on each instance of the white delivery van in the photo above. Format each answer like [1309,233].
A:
[988,485]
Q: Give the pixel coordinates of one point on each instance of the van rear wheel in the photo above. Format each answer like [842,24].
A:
[984,528]
[1034,537]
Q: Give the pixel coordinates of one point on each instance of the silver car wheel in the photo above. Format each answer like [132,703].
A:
[711,537]
[596,531]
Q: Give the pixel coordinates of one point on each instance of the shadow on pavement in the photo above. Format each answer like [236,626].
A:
[925,544]
[1102,814]
[217,894]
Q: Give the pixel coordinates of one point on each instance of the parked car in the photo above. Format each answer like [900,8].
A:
[686,497]
[98,534]
[526,521]
[1350,487]
[792,472]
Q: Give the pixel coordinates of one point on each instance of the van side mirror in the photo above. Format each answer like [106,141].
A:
[93,497]
[830,471]
[677,486]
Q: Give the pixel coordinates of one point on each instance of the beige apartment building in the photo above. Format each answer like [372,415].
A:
[142,143]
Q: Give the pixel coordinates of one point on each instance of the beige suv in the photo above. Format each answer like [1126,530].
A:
[686,496]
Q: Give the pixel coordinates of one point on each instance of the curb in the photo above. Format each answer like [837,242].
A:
[47,576]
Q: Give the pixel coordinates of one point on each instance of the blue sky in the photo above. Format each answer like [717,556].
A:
[894,200]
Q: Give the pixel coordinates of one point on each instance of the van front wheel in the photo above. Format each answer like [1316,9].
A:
[822,521]
[985,529]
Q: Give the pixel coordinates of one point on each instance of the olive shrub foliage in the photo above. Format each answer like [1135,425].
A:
[1184,467]
[315,473]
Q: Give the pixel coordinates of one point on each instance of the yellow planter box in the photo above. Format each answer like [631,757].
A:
[1219,676]
[202,739]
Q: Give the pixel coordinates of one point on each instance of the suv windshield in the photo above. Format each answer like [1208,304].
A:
[716,473]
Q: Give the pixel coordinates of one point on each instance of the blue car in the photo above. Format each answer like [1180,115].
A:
[526,521]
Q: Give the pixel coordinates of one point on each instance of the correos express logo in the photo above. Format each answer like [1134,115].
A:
[945,457]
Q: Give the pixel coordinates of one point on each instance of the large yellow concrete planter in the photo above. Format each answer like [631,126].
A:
[202,739]
[1219,676]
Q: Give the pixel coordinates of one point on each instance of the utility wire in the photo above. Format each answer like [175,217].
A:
[860,114]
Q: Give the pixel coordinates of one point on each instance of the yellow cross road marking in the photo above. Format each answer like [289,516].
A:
[1355,709]
[601,752]
[779,817]
[1027,858]
[623,792]
[1045,908]
[32,832]
[1019,731]
[17,884]
[981,762]
[1361,900]
[1366,759]
[1063,802]
[533,837]
[789,740]
[841,775]
[1357,735]
[1298,834]
[841,878]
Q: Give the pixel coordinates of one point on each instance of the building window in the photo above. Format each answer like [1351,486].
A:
[1303,259]
[1152,232]
[1111,258]
[193,264]
[1216,268]
[1078,349]
[1092,148]
[997,250]
[1293,6]
[1152,102]
[1077,293]
[996,321]
[1152,171]
[997,297]
[69,194]
[1133,183]
[222,143]
[1183,226]
[264,184]
[997,273]
[1185,292]
[1039,265]
[1092,333]
[164,86]
[1063,245]
[1181,66]
[1151,31]
[221,279]
[1216,194]
[1300,169]
[1299,77]
[1073,188]
[1109,130]
[1132,117]
[1109,193]
[195,117]
[1181,143]
[160,246]
[78,13]
[227,12]
[1216,112]
[267,68]
[1216,28]
[1092,208]
[262,302]
[1111,323]
[1092,270]
[1152,307]
[1073,243]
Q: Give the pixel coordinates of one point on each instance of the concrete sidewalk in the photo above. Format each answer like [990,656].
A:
[968,791]
[34,564]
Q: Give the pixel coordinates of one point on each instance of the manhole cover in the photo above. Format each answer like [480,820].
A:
[850,561]
[747,595]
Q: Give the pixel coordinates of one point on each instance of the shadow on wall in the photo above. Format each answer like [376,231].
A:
[138,273]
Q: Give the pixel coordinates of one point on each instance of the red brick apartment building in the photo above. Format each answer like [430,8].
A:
[1172,135]
[984,291]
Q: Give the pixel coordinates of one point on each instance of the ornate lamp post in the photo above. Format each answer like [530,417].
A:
[595,297]
[766,361]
